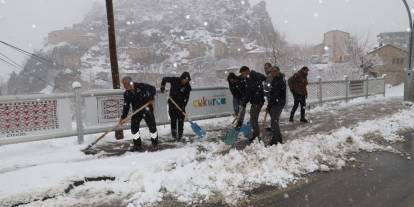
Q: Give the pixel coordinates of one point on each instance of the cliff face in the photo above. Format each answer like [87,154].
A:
[156,37]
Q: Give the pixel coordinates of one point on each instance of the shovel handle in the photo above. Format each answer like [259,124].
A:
[119,124]
[176,105]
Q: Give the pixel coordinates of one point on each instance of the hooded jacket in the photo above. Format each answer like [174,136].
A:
[179,93]
[254,88]
[236,88]
[277,93]
[298,83]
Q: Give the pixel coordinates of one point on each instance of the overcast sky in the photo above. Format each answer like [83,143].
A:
[26,23]
[305,21]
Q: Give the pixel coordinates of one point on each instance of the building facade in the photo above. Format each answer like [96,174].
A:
[393,60]
[335,44]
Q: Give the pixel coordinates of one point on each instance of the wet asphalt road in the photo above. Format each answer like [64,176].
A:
[377,179]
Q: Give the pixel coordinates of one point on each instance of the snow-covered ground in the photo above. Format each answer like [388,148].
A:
[396,91]
[196,172]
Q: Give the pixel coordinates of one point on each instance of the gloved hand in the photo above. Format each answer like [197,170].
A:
[162,89]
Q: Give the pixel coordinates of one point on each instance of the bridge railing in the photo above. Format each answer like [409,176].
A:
[25,118]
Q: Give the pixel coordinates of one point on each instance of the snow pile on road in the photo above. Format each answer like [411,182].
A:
[198,172]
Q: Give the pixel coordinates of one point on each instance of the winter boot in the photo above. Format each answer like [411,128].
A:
[154,139]
[137,145]
[136,141]
[302,116]
[179,137]
[251,139]
[291,117]
[273,141]
[154,143]
[174,134]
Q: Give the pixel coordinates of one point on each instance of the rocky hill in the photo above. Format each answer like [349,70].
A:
[155,38]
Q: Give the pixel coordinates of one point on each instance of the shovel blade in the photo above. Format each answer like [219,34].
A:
[231,136]
[197,130]
[246,129]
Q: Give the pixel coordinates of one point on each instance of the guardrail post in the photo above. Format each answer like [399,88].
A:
[346,88]
[78,110]
[320,90]
[367,86]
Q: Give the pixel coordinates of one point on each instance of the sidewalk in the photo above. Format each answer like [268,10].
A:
[200,171]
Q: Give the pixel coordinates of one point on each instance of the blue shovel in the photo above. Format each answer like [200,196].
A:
[194,126]
[231,136]
[246,129]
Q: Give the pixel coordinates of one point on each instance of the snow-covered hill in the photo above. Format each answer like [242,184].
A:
[155,37]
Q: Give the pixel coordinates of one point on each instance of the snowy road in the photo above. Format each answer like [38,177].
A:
[377,179]
[207,171]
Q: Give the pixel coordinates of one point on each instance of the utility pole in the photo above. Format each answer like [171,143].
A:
[409,81]
[112,51]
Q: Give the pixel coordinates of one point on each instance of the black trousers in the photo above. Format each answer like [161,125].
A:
[148,115]
[275,112]
[177,121]
[254,119]
[298,99]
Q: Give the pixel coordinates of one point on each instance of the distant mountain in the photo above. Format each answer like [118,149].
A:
[155,37]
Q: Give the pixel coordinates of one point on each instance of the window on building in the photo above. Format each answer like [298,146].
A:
[402,61]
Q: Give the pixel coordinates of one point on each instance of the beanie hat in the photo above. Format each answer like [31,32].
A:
[185,76]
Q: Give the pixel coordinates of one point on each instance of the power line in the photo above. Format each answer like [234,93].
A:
[20,66]
[14,64]
[37,57]
[10,63]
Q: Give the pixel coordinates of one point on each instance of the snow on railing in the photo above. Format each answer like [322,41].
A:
[37,117]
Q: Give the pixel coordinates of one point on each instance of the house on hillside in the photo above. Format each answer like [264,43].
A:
[393,61]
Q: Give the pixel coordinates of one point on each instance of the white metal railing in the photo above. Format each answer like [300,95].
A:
[37,117]
[320,91]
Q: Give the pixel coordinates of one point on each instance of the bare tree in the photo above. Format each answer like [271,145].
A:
[358,49]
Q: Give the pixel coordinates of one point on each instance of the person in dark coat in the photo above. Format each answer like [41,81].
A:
[180,93]
[297,84]
[276,102]
[254,95]
[237,90]
[266,86]
[137,95]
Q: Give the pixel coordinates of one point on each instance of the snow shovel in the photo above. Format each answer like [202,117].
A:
[116,126]
[246,129]
[231,136]
[264,130]
[194,126]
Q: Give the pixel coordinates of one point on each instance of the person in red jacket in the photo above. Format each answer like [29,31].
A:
[297,85]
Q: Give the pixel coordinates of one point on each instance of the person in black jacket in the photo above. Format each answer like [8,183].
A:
[137,95]
[255,95]
[266,86]
[276,102]
[180,93]
[237,90]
